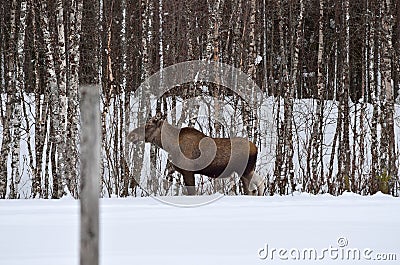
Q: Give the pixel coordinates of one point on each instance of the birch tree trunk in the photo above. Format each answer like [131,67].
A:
[373,85]
[388,157]
[281,179]
[344,147]
[289,111]
[3,170]
[317,133]
[41,110]
[61,131]
[16,117]
[138,151]
[248,113]
[334,184]
[133,81]
[10,81]
[72,166]
[212,53]
[237,45]
[53,91]
[365,97]
[252,53]
[190,110]
[2,49]
[212,6]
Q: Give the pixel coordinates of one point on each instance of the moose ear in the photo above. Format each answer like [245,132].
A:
[159,116]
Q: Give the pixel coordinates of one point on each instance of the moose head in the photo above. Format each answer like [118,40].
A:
[150,132]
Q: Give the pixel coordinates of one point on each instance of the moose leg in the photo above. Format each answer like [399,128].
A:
[188,178]
[246,182]
[257,185]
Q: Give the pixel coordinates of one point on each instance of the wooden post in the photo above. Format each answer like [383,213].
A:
[90,174]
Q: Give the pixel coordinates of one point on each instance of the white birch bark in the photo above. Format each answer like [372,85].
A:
[289,114]
[280,171]
[248,113]
[11,73]
[344,142]
[71,167]
[63,103]
[16,117]
[52,90]
[388,156]
[138,151]
[10,90]
[41,110]
[265,56]
[374,98]
[317,133]
[252,55]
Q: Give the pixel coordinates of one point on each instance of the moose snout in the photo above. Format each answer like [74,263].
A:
[136,135]
[133,137]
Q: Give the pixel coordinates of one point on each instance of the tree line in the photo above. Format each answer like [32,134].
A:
[330,68]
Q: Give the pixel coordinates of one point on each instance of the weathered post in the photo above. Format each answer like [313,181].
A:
[90,174]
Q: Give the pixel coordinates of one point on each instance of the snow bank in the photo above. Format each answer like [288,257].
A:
[232,230]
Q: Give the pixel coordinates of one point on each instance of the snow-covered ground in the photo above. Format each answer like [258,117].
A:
[231,230]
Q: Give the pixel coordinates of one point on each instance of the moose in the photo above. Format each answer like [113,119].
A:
[192,152]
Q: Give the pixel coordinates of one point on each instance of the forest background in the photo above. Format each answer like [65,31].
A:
[329,70]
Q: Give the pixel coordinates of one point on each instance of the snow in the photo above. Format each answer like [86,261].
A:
[258,60]
[231,230]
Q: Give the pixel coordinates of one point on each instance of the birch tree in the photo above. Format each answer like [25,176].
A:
[280,170]
[317,133]
[53,92]
[16,117]
[290,98]
[373,84]
[10,82]
[387,140]
[60,66]
[4,128]
[133,79]
[248,114]
[344,145]
[73,55]
[41,110]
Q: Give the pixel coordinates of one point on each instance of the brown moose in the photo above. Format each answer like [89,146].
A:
[192,152]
